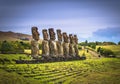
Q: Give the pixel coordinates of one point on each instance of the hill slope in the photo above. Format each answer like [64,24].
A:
[12,36]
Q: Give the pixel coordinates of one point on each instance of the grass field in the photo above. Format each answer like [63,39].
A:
[98,71]
[89,71]
[11,57]
[114,48]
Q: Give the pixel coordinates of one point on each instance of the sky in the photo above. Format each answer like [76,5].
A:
[92,20]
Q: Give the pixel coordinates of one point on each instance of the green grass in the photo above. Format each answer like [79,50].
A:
[28,51]
[14,78]
[12,57]
[114,48]
[87,54]
[90,71]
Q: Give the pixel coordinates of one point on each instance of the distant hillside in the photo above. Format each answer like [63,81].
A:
[12,36]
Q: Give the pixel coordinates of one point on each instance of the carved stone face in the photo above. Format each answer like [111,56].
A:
[59,35]
[52,34]
[71,38]
[45,34]
[35,33]
[65,37]
[76,39]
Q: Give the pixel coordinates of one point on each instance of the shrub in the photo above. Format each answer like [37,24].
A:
[105,52]
[11,47]
[93,46]
[98,49]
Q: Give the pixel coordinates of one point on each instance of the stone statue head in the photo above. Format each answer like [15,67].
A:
[71,38]
[52,34]
[45,34]
[59,35]
[65,37]
[76,39]
[35,33]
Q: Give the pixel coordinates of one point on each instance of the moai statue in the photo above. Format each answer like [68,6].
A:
[65,45]
[52,43]
[71,46]
[76,45]
[45,43]
[34,43]
[59,43]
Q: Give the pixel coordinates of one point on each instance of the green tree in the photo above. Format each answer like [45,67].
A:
[6,47]
[86,42]
[98,49]
[93,46]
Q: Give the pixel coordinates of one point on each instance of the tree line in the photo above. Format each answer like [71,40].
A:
[86,43]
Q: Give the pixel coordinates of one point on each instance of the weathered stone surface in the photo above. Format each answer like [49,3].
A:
[76,50]
[71,50]
[76,45]
[65,37]
[35,33]
[34,43]
[71,38]
[59,35]
[71,46]
[66,49]
[45,44]
[34,49]
[52,48]
[59,43]
[59,48]
[52,43]
[45,48]
[76,39]
[45,34]
[52,34]
[65,45]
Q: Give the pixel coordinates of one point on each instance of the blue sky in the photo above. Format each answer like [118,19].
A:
[92,20]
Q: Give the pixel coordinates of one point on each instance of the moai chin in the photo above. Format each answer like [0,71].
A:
[65,45]
[76,45]
[59,43]
[52,43]
[34,43]
[71,45]
[45,43]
